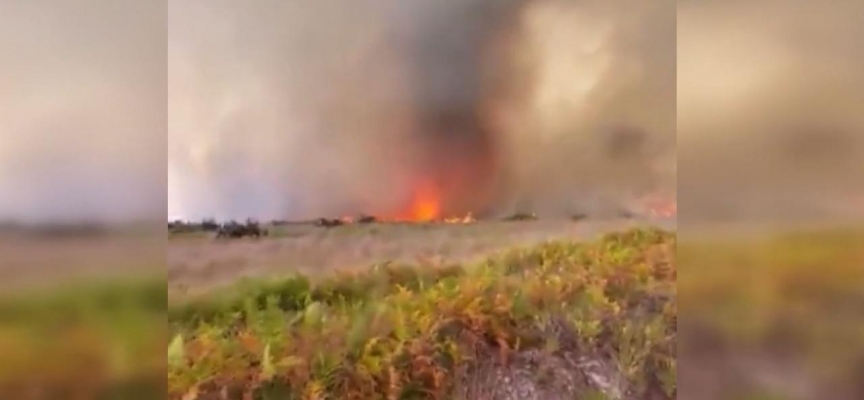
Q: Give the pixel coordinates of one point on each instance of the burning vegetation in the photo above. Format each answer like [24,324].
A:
[423,209]
[482,120]
[471,108]
[425,204]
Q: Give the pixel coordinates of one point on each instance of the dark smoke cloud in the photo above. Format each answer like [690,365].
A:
[297,109]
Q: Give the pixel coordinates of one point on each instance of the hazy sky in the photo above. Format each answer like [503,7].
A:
[129,109]
[82,109]
[769,107]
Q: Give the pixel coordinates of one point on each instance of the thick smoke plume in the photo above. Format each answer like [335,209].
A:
[289,109]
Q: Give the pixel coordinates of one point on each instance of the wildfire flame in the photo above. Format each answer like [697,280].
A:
[425,204]
[467,219]
[659,207]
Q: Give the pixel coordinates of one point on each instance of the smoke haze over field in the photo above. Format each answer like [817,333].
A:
[769,109]
[300,109]
[82,110]
[293,109]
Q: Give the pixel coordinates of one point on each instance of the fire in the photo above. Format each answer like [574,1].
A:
[467,219]
[425,204]
[659,207]
[668,210]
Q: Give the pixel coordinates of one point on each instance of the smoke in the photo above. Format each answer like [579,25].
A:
[587,113]
[280,107]
[82,111]
[301,109]
[769,109]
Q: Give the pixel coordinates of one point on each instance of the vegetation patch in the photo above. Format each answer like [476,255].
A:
[594,320]
[85,340]
[779,314]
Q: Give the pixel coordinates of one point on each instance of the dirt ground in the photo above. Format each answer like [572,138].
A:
[198,262]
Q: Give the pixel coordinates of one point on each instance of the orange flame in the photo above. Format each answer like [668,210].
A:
[467,219]
[660,207]
[425,203]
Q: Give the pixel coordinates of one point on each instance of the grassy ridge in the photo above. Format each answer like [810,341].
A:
[407,333]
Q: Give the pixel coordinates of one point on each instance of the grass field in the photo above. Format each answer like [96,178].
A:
[85,340]
[763,316]
[772,315]
[557,320]
[197,263]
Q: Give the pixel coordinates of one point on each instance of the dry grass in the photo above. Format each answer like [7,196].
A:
[37,262]
[196,263]
[604,308]
[771,315]
[82,316]
[84,340]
